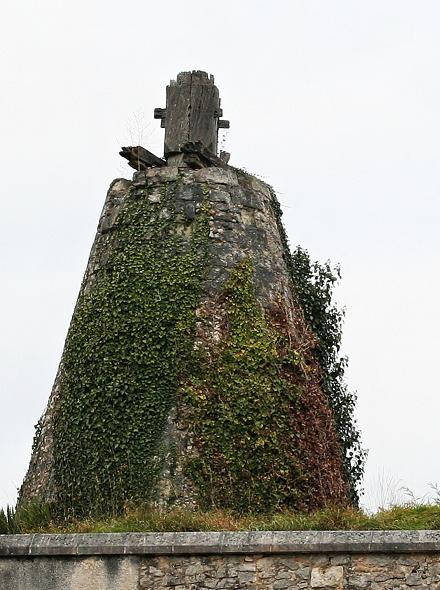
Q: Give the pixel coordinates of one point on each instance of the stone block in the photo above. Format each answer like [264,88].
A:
[283,584]
[247,567]
[216,176]
[260,186]
[303,573]
[413,580]
[327,577]
[359,581]
[161,175]
[154,197]
[340,560]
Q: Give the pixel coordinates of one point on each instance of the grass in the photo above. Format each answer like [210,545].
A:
[36,518]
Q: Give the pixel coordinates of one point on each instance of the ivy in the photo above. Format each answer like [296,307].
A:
[250,402]
[129,340]
[314,285]
[242,404]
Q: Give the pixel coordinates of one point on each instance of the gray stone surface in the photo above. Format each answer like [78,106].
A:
[329,576]
[268,542]
[92,573]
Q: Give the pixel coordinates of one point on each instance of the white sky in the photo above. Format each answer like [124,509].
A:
[334,102]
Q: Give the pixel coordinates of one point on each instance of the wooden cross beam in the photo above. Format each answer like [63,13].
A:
[192,114]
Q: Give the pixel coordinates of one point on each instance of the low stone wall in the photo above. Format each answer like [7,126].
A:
[202,561]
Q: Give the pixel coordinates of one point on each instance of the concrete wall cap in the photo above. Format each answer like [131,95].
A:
[263,542]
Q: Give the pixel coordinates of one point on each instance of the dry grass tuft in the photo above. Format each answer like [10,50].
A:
[37,519]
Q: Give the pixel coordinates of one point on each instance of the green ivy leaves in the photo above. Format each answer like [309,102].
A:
[241,404]
[130,347]
[128,341]
[314,284]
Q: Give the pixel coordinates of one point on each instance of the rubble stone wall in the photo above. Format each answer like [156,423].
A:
[243,223]
[283,572]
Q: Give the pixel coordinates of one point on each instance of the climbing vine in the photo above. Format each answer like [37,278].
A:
[245,408]
[263,434]
[314,285]
[129,340]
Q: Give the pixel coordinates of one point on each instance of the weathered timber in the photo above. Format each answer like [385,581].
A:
[140,159]
[192,113]
[195,156]
[225,156]
[223,124]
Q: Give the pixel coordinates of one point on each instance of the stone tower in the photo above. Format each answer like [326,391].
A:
[188,375]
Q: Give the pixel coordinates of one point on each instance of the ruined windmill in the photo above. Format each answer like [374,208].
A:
[188,375]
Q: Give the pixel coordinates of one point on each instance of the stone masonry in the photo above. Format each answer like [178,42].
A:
[189,184]
[243,223]
[284,572]
[388,560]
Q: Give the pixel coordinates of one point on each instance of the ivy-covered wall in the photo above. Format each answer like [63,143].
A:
[189,373]
[313,285]
[247,407]
[129,341]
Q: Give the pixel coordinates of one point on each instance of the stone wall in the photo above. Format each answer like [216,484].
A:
[243,224]
[201,561]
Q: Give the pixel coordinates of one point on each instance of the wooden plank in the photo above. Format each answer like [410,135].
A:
[192,114]
[223,124]
[140,159]
[195,155]
[177,119]
[205,103]
[161,114]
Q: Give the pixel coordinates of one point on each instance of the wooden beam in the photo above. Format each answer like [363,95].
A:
[192,113]
[223,124]
[195,155]
[140,159]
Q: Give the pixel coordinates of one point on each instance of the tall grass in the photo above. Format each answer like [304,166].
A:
[33,517]
[37,518]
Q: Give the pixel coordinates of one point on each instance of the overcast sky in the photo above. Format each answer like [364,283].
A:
[334,102]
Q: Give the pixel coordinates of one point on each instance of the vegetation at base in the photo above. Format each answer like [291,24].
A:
[129,339]
[37,518]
